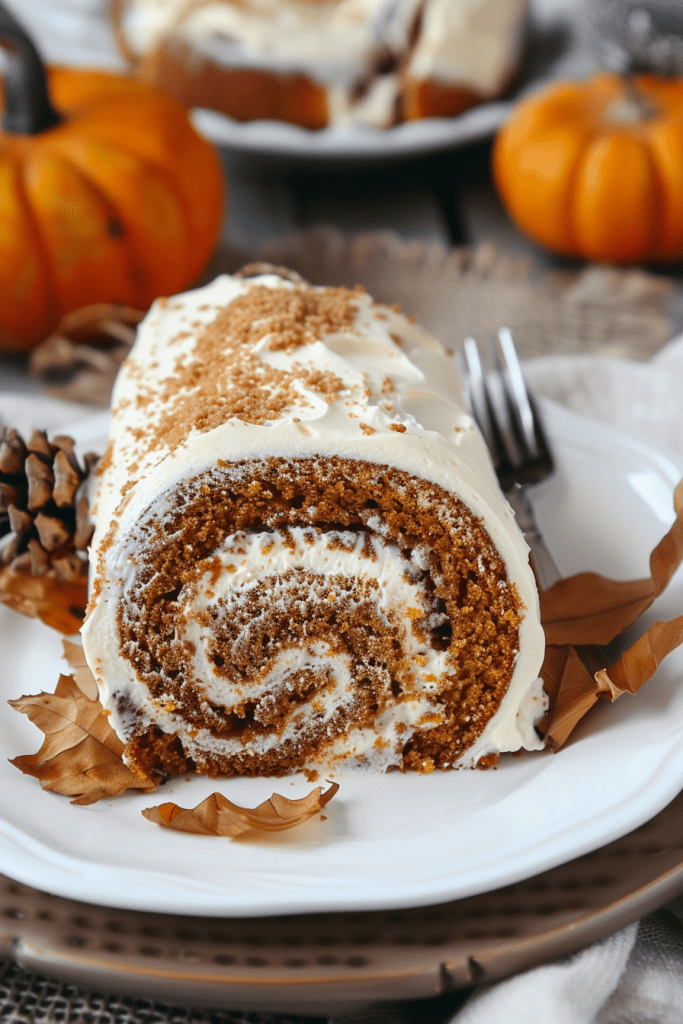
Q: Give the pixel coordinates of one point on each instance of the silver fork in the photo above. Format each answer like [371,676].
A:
[508,417]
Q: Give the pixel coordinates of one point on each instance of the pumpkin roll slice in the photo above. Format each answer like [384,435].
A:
[319,63]
[302,559]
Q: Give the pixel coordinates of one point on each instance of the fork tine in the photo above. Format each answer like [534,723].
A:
[490,405]
[477,393]
[509,419]
[501,406]
[506,412]
[539,456]
[518,396]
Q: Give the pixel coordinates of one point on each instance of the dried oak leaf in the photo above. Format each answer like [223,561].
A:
[81,757]
[571,691]
[218,816]
[641,660]
[56,602]
[81,754]
[82,673]
[591,609]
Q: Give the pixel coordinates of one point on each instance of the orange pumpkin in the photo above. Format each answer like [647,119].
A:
[595,169]
[110,195]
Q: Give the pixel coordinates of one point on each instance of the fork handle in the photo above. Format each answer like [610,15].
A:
[593,656]
[542,562]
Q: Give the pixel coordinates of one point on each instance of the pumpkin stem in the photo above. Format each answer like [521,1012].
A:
[28,109]
[634,106]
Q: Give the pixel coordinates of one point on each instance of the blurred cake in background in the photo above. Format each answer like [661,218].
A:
[320,63]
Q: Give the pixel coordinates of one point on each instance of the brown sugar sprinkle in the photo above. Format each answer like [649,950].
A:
[294,316]
[240,384]
[328,385]
[106,461]
[398,427]
[367,429]
[134,369]
[144,398]
[179,337]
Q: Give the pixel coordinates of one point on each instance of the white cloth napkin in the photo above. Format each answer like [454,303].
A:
[642,398]
[634,977]
[573,991]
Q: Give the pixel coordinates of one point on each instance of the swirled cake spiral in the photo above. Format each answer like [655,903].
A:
[302,559]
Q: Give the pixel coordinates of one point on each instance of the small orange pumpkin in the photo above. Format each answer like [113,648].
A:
[595,169]
[110,195]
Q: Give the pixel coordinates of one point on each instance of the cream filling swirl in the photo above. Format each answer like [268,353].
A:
[260,567]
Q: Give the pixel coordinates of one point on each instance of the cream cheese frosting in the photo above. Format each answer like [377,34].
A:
[365,385]
[490,35]
[357,50]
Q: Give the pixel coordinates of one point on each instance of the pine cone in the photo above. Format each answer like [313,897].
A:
[45,528]
[80,359]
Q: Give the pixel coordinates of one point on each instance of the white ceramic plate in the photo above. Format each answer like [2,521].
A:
[264,139]
[392,840]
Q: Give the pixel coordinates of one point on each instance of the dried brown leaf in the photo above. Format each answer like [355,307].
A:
[641,660]
[572,692]
[58,603]
[81,754]
[218,816]
[82,674]
[590,609]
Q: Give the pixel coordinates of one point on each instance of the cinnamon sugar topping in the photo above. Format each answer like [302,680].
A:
[241,384]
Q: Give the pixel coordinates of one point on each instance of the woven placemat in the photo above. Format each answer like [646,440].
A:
[452,292]
[27,998]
